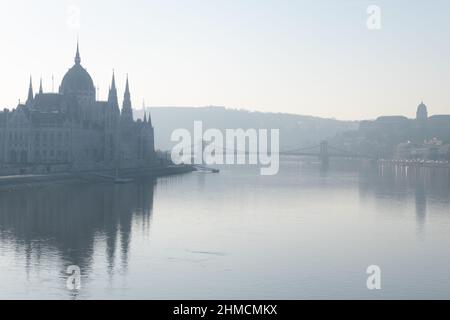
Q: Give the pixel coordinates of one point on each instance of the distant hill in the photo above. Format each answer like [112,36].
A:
[295,130]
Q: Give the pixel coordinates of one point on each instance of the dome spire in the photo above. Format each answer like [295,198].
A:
[77,80]
[77,55]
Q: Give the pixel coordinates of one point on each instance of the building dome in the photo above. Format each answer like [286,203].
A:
[77,79]
[422,112]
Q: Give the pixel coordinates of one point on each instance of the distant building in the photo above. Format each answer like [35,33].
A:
[433,149]
[400,137]
[422,113]
[402,129]
[72,130]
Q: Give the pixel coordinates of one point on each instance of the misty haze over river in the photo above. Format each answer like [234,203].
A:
[304,233]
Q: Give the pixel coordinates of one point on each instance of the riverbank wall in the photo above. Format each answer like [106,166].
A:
[107,176]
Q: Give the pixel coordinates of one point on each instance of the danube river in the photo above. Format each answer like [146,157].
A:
[305,233]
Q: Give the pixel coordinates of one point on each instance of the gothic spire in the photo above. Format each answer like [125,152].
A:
[149,119]
[30,91]
[127,96]
[112,97]
[127,89]
[40,87]
[145,112]
[77,55]
[127,110]
[113,84]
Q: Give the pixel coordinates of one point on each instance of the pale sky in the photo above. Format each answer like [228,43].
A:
[305,57]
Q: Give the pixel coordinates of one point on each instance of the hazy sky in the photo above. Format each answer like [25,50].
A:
[307,57]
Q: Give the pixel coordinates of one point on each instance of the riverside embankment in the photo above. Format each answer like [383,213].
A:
[7,182]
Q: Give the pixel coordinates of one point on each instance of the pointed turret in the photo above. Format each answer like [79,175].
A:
[30,92]
[127,110]
[127,89]
[112,97]
[41,91]
[113,82]
[149,119]
[77,55]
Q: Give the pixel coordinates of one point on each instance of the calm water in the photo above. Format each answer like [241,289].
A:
[304,233]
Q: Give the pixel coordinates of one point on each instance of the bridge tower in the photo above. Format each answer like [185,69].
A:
[324,156]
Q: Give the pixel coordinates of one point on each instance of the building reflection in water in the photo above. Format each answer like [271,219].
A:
[67,221]
[401,183]
[421,206]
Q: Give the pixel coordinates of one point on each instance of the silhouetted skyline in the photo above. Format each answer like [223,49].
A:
[304,57]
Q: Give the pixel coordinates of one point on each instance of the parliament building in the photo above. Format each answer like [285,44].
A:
[72,131]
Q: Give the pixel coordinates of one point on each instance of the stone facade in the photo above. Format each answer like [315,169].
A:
[71,130]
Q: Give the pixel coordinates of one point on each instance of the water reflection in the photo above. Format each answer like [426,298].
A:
[421,206]
[231,234]
[399,183]
[66,221]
